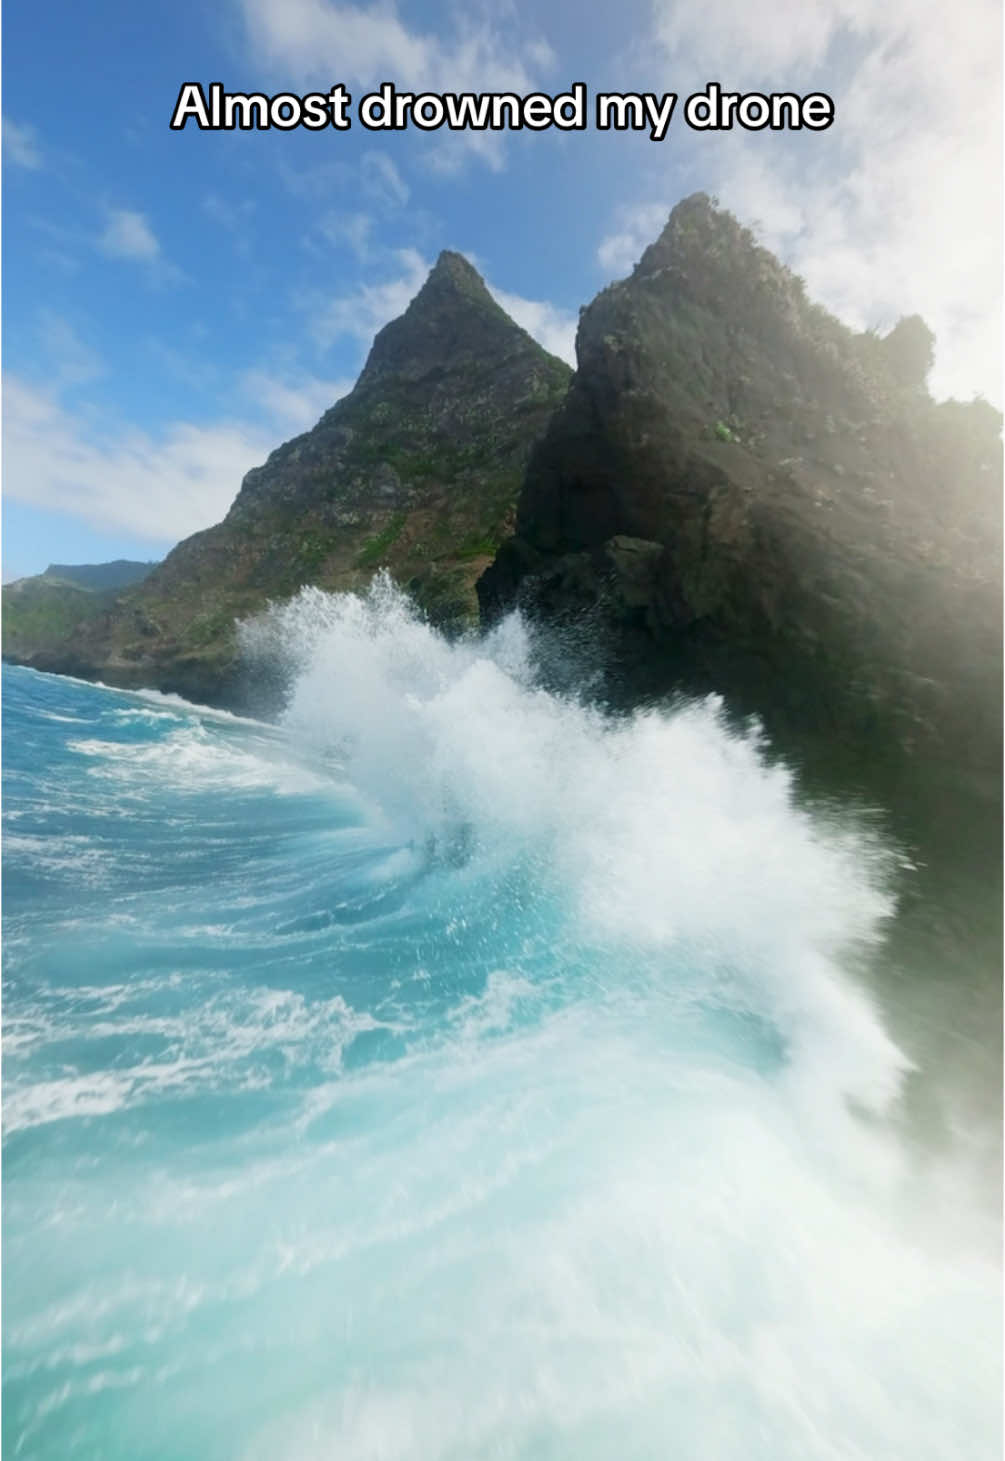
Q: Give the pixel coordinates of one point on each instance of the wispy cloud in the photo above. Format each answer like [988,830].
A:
[381,181]
[362,311]
[635,229]
[128,235]
[161,486]
[354,230]
[474,53]
[294,404]
[20,145]
[70,361]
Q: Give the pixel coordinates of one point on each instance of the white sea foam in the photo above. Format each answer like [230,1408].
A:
[662,834]
[191,760]
[210,1045]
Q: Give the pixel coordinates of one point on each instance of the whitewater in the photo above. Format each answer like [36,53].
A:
[451,1070]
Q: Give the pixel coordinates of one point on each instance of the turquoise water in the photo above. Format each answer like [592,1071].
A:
[448,1072]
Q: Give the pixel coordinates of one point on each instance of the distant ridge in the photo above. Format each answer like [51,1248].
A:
[42,611]
[118,574]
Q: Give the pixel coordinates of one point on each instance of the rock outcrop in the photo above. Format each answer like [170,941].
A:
[417,471]
[751,498]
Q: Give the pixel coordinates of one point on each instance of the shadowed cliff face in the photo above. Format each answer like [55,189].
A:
[417,471]
[751,498]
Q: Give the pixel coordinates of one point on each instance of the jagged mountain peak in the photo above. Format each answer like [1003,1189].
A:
[708,251]
[452,320]
[698,211]
[457,270]
[756,498]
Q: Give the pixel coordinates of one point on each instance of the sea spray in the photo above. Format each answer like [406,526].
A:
[456,1071]
[654,833]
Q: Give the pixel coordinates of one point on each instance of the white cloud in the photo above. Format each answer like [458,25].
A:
[20,145]
[539,53]
[897,208]
[619,252]
[372,43]
[157,487]
[381,180]
[295,405]
[550,326]
[304,35]
[731,39]
[71,362]
[361,312]
[128,235]
[353,229]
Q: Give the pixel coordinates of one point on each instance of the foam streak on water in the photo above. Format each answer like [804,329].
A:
[451,1072]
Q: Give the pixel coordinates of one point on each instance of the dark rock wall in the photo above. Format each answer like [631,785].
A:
[815,537]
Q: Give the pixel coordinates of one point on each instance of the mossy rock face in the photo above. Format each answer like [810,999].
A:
[416,471]
[375,550]
[829,537]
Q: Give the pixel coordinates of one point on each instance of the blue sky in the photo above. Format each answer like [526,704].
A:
[177,304]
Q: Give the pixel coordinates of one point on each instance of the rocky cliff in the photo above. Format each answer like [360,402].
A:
[749,497]
[417,470]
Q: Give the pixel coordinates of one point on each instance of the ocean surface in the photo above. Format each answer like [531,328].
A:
[451,1072]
